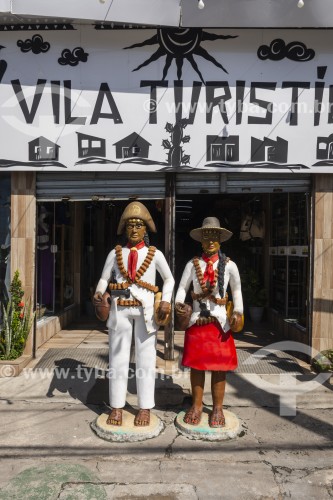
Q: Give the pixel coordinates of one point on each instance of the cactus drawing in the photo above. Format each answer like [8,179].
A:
[176,156]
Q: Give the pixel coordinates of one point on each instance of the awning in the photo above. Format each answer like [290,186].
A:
[146,12]
[173,13]
[257,14]
[5,6]
[99,186]
[242,183]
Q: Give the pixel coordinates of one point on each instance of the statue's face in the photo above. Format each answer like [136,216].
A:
[210,241]
[135,230]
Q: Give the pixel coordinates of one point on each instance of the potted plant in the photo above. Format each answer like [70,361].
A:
[17,319]
[323,362]
[255,295]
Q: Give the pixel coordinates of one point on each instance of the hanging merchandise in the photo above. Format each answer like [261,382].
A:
[252,226]
[44,260]
[68,293]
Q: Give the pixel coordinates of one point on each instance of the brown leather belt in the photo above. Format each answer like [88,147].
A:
[206,321]
[125,284]
[212,298]
[129,302]
[219,302]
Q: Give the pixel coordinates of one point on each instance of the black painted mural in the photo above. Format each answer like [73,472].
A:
[224,149]
[132,146]
[239,115]
[278,50]
[89,145]
[36,45]
[179,44]
[176,155]
[74,57]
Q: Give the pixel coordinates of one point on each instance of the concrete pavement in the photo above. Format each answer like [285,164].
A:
[48,450]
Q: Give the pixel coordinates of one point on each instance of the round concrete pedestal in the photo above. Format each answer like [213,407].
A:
[202,431]
[127,432]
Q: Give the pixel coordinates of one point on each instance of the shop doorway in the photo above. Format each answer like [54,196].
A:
[231,211]
[73,241]
[74,238]
[5,240]
[55,255]
[270,243]
[100,223]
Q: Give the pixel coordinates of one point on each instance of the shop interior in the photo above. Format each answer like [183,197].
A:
[5,231]
[270,245]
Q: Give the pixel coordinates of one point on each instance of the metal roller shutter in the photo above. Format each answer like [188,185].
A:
[215,183]
[106,186]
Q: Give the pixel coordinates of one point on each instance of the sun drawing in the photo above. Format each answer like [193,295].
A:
[180,44]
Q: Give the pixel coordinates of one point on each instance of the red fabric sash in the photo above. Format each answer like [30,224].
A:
[133,258]
[209,274]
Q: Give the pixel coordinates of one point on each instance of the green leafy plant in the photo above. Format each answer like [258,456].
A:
[323,362]
[17,319]
[253,290]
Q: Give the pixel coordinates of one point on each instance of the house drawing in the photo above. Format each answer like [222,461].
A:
[131,146]
[88,145]
[269,150]
[41,149]
[325,148]
[222,148]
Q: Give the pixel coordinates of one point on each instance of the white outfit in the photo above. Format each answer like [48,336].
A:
[231,276]
[120,323]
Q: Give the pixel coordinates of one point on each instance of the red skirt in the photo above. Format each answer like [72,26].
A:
[208,347]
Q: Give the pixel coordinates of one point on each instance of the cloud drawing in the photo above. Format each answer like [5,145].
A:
[278,50]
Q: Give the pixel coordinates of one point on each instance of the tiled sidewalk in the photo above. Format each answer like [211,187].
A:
[89,333]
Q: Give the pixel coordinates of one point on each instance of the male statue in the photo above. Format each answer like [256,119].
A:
[133,268]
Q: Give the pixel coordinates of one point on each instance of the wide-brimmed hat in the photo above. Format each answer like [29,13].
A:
[136,210]
[211,223]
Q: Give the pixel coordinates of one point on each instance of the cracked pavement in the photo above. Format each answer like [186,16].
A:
[48,450]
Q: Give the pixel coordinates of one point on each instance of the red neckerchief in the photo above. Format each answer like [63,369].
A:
[133,258]
[209,274]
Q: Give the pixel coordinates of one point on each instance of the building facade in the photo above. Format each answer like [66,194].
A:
[193,121]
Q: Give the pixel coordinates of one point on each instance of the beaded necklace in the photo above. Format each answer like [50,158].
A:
[219,273]
[200,277]
[142,269]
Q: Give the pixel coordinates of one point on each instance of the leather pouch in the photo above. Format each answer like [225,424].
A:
[158,298]
[102,309]
[238,325]
[182,322]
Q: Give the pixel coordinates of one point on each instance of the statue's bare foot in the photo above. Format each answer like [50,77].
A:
[193,415]
[115,417]
[142,418]
[216,418]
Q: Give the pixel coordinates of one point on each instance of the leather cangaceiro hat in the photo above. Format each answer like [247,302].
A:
[211,223]
[136,210]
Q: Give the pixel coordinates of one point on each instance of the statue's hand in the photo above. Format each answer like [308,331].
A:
[98,297]
[163,310]
[235,320]
[180,309]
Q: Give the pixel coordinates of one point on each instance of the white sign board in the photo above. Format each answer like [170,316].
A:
[86,98]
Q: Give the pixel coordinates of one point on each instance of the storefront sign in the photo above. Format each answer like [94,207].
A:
[91,98]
